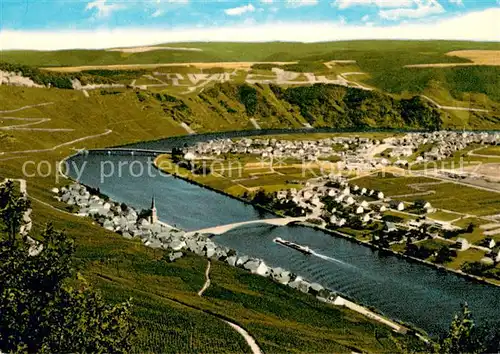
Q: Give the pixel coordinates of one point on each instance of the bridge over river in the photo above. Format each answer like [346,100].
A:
[129,152]
[218,230]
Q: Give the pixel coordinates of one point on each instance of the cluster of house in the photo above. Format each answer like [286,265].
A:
[299,149]
[350,202]
[110,215]
[332,202]
[124,220]
[493,255]
[353,153]
[443,144]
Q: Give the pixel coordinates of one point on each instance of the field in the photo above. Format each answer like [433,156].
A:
[491,150]
[392,184]
[237,175]
[476,57]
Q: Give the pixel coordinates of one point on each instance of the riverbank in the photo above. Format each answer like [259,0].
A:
[411,293]
[380,317]
[167,238]
[469,277]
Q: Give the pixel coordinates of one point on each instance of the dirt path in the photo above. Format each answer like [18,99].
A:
[473,153]
[254,123]
[187,128]
[248,338]
[108,131]
[32,121]
[27,107]
[207,281]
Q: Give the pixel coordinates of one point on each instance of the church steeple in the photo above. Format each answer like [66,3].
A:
[154,213]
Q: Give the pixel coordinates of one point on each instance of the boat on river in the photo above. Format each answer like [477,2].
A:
[295,246]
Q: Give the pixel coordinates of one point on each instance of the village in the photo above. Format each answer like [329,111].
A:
[355,152]
[146,227]
[334,200]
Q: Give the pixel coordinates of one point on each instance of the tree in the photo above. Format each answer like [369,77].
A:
[459,335]
[13,205]
[445,254]
[465,337]
[43,306]
[262,198]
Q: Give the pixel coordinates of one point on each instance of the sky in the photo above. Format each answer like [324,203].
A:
[60,24]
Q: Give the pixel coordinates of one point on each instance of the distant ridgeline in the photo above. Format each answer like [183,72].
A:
[320,105]
[65,80]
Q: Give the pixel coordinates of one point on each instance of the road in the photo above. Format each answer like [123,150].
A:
[248,338]
[27,107]
[108,131]
[451,108]
[32,121]
[473,153]
[207,280]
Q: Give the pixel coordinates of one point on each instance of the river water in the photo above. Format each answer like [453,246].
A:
[410,292]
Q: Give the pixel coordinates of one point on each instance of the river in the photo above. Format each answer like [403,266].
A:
[409,292]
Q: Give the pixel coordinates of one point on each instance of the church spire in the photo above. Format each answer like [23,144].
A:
[154,213]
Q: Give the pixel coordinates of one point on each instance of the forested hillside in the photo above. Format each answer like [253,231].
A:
[318,105]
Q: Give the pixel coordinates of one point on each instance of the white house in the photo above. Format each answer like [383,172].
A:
[365,218]
[341,222]
[189,156]
[399,206]
[360,210]
[462,244]
[349,200]
[281,194]
[380,195]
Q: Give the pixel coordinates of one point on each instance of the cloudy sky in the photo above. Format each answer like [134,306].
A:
[54,24]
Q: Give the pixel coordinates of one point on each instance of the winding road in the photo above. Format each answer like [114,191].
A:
[37,121]
[27,107]
[451,108]
[32,121]
[248,338]
[108,131]
[207,281]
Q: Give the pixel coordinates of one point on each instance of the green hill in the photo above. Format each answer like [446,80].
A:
[170,316]
[384,63]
